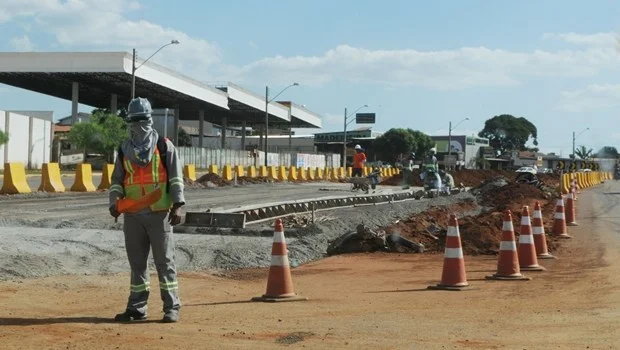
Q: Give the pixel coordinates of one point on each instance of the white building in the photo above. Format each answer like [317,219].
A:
[30,137]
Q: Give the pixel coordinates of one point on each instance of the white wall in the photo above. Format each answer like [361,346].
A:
[18,146]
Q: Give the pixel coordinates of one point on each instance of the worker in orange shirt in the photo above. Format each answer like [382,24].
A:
[359,161]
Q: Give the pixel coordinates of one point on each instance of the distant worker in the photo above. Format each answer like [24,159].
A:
[447,181]
[408,171]
[430,163]
[148,163]
[359,161]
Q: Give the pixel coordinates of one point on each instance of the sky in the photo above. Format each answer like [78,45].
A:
[417,64]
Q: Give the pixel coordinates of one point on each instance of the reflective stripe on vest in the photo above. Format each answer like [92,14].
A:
[140,181]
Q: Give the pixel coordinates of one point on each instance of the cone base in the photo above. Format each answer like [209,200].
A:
[572,224]
[497,277]
[532,268]
[448,287]
[545,256]
[564,235]
[272,299]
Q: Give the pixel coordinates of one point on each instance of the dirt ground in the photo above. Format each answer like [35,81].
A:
[364,301]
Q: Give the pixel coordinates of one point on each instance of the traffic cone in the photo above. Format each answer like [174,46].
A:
[453,276]
[559,220]
[538,229]
[571,217]
[573,190]
[526,249]
[508,260]
[279,281]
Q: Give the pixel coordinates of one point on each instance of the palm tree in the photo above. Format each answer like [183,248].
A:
[4,138]
[583,153]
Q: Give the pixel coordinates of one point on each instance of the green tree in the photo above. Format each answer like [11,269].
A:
[102,134]
[506,132]
[583,153]
[397,141]
[184,139]
[607,152]
[4,138]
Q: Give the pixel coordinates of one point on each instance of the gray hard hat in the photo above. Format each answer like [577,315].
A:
[139,109]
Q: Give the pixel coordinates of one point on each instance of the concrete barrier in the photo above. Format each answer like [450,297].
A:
[320,174]
[251,172]
[349,171]
[292,173]
[311,174]
[239,171]
[341,173]
[50,178]
[262,171]
[106,177]
[14,179]
[282,173]
[302,174]
[272,172]
[189,171]
[83,179]
[227,173]
[213,169]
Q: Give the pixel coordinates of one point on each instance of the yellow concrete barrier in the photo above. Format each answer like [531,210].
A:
[189,171]
[83,179]
[14,179]
[272,172]
[262,171]
[239,171]
[341,173]
[106,177]
[292,173]
[213,169]
[227,173]
[365,171]
[320,174]
[50,178]
[302,174]
[282,173]
[311,174]
[349,171]
[251,171]
[564,184]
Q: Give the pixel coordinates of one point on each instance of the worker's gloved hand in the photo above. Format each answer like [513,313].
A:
[174,217]
[115,214]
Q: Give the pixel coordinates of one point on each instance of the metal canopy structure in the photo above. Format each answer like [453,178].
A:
[103,80]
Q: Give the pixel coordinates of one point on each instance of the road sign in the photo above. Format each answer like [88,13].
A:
[561,165]
[365,118]
[573,166]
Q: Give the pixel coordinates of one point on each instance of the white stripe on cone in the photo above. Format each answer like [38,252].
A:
[559,216]
[278,237]
[525,221]
[538,230]
[526,239]
[279,260]
[507,226]
[508,245]
[453,231]
[537,214]
[560,203]
[453,253]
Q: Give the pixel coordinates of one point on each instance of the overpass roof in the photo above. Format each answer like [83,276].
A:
[101,74]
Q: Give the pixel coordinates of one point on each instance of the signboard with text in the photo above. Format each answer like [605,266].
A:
[365,118]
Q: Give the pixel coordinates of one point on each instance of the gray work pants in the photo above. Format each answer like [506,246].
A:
[143,232]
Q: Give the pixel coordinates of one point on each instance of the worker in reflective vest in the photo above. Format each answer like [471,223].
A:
[147,163]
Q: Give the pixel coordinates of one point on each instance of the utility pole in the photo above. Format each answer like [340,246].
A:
[344,141]
[450,139]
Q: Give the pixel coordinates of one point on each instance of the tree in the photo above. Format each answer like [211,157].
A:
[608,152]
[4,138]
[102,134]
[583,153]
[397,141]
[184,139]
[506,132]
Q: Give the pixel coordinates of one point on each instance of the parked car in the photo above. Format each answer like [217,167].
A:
[545,171]
[527,169]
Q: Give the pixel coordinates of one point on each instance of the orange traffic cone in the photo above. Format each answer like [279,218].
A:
[571,217]
[508,260]
[526,249]
[453,275]
[538,229]
[279,281]
[573,190]
[559,220]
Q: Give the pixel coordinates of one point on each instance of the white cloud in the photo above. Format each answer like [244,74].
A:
[252,44]
[607,39]
[592,97]
[22,43]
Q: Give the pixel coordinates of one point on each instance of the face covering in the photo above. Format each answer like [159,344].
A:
[143,138]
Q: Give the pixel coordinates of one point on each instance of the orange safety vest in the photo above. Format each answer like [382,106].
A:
[141,180]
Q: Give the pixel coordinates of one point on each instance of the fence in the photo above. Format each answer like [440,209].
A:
[204,157]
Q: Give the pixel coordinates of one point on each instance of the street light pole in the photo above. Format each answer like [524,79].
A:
[134,68]
[450,134]
[344,140]
[574,138]
[267,101]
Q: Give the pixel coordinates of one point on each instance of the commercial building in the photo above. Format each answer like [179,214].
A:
[465,150]
[332,142]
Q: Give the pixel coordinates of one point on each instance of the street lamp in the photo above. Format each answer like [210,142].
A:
[134,68]
[344,140]
[450,134]
[575,137]
[267,101]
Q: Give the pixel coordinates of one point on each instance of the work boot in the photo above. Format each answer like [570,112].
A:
[171,316]
[129,316]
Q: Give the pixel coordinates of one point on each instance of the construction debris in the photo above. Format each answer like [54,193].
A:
[366,240]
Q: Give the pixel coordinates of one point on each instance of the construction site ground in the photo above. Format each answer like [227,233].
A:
[367,301]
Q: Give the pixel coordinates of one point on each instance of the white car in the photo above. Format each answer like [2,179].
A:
[527,169]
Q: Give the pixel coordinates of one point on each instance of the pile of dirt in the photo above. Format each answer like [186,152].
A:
[212,180]
[244,180]
[189,183]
